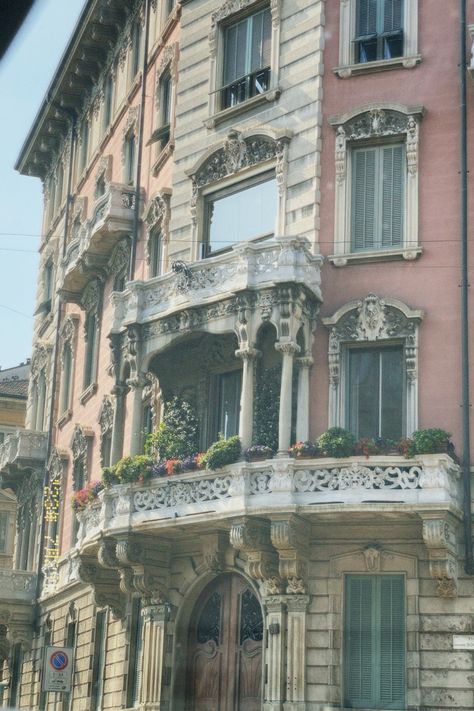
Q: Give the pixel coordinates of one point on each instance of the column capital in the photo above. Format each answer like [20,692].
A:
[248,353]
[304,362]
[287,347]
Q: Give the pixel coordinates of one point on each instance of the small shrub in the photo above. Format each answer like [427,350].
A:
[109,476]
[177,437]
[336,442]
[222,452]
[304,449]
[430,441]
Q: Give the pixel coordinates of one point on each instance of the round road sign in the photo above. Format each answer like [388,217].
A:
[59,660]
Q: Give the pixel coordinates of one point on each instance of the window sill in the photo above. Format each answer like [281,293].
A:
[163,157]
[349,70]
[243,107]
[88,393]
[342,260]
[64,419]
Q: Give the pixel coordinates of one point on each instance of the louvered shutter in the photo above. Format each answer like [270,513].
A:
[359,641]
[392,196]
[392,641]
[363,199]
[392,15]
[366,18]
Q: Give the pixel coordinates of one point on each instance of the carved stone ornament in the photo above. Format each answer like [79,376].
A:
[104,170]
[252,535]
[237,153]
[130,129]
[439,536]
[291,539]
[80,449]
[91,297]
[169,59]
[373,319]
[40,359]
[68,329]
[56,464]
[105,584]
[230,7]
[372,558]
[373,124]
[106,417]
[118,262]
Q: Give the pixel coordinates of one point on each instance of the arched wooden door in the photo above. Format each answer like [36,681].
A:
[225,649]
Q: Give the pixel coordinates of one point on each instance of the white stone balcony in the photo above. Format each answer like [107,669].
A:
[252,266]
[23,450]
[17,586]
[17,598]
[111,219]
[314,487]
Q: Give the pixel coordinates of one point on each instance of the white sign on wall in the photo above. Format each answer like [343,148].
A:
[463,641]
[57,668]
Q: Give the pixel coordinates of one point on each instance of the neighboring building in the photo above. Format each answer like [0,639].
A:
[247,202]
[13,397]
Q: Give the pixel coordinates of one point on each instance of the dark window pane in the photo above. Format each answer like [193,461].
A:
[364,392]
[392,393]
[229,403]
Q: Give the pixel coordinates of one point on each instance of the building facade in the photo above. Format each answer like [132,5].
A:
[250,207]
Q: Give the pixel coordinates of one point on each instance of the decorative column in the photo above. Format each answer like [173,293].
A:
[120,392]
[302,410]
[288,351]
[275,624]
[248,356]
[296,653]
[155,615]
[137,384]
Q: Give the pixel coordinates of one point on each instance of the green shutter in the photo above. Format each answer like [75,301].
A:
[392,15]
[364,199]
[366,17]
[392,196]
[374,642]
[392,641]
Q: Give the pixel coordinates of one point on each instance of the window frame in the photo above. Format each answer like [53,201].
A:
[228,14]
[98,660]
[366,323]
[376,125]
[347,33]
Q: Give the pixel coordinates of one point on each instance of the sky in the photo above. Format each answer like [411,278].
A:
[25,73]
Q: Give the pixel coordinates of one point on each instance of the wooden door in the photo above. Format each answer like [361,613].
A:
[225,649]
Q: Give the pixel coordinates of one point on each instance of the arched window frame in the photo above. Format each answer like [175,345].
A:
[68,350]
[91,303]
[375,125]
[372,321]
[165,104]
[40,364]
[129,146]
[157,221]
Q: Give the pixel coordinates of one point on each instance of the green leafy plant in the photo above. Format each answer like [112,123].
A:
[128,470]
[177,437]
[336,442]
[430,441]
[267,406]
[222,452]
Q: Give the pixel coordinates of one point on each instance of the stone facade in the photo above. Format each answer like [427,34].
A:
[134,166]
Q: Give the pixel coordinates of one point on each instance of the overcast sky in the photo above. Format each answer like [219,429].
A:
[25,73]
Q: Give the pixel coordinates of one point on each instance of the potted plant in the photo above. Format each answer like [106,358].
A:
[258,452]
[304,450]
[222,452]
[337,442]
[82,498]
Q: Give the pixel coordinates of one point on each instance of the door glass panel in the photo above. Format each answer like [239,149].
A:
[251,622]
[247,214]
[210,621]
[229,403]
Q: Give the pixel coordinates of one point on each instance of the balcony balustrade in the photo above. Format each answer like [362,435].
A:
[17,598]
[88,253]
[428,483]
[22,451]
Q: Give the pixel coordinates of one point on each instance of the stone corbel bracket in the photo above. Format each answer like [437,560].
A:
[213,547]
[439,536]
[252,535]
[290,537]
[144,567]
[105,584]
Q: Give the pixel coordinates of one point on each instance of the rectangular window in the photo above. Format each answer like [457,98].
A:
[379,30]
[374,642]
[228,406]
[98,662]
[247,56]
[377,197]
[130,159]
[240,213]
[16,664]
[3,531]
[156,253]
[376,392]
[84,153]
[108,99]
[135,650]
[91,349]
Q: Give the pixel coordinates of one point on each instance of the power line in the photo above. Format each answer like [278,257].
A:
[9,308]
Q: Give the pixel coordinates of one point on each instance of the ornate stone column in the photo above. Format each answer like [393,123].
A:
[288,351]
[137,384]
[120,392]
[275,625]
[248,356]
[296,653]
[302,410]
[155,616]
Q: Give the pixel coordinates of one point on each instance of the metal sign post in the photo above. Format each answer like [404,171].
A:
[57,668]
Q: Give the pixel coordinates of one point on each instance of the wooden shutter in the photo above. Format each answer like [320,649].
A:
[366,18]
[392,196]
[359,641]
[374,644]
[392,15]
[363,199]
[392,641]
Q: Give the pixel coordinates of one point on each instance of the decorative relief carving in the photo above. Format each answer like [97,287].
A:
[91,297]
[252,535]
[372,558]
[291,539]
[119,260]
[439,536]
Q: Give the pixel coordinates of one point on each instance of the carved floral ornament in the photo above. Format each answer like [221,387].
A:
[91,297]
[237,153]
[68,329]
[106,417]
[373,319]
[231,7]
[40,359]
[118,262]
[376,123]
